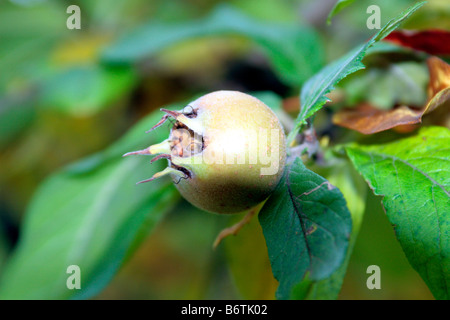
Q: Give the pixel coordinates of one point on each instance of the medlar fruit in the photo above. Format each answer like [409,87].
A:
[226,151]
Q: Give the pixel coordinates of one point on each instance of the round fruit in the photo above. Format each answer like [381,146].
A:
[226,151]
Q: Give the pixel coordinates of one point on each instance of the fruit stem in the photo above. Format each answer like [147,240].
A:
[234,229]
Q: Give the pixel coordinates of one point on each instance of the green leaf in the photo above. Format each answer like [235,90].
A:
[89,214]
[307,227]
[413,176]
[354,189]
[341,4]
[313,94]
[295,51]
[84,90]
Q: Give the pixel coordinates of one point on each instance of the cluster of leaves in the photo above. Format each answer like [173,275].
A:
[414,183]
[309,225]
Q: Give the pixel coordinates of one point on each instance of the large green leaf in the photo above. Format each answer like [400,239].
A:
[89,214]
[413,176]
[294,51]
[313,94]
[307,227]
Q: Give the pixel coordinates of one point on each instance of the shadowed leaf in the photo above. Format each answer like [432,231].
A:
[353,187]
[307,227]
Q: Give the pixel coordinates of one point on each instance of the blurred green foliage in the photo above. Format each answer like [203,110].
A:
[67,97]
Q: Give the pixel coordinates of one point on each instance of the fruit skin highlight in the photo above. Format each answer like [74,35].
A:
[235,156]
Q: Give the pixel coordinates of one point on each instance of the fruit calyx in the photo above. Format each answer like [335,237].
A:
[183,142]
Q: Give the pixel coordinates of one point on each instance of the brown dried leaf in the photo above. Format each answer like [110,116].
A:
[368,119]
[439,86]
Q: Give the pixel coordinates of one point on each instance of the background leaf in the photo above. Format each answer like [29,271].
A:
[307,227]
[89,214]
[85,90]
[402,83]
[16,112]
[412,175]
[313,94]
[28,36]
[341,4]
[294,51]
